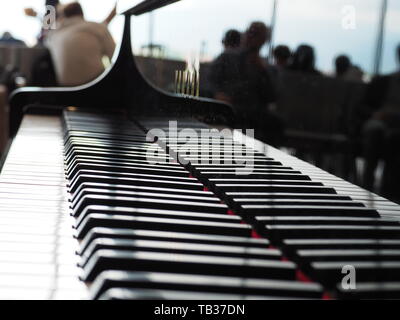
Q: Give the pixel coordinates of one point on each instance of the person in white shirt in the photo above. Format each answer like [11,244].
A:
[78,47]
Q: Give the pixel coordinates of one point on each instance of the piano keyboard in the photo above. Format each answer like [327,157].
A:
[86,215]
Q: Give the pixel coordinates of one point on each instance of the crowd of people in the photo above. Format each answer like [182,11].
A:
[251,84]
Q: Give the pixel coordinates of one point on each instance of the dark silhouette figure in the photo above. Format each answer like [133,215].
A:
[342,65]
[345,70]
[8,39]
[241,78]
[381,132]
[282,56]
[232,40]
[304,60]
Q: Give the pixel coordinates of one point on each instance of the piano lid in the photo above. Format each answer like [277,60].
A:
[121,87]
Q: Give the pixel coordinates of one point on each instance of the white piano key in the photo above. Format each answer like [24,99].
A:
[37,248]
[63,258]
[49,273]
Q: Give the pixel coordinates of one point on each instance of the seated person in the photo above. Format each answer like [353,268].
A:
[345,70]
[78,47]
[304,60]
[241,78]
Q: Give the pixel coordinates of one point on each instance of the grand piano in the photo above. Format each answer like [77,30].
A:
[96,204]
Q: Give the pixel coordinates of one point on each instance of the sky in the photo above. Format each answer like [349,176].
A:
[191,26]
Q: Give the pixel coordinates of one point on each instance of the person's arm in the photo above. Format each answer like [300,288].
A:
[108,43]
[111,16]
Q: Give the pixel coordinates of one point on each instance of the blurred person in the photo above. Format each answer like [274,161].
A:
[30,12]
[381,131]
[231,40]
[304,60]
[78,47]
[8,39]
[241,78]
[345,70]
[282,56]
[342,65]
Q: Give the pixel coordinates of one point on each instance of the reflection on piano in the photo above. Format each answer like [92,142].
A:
[169,230]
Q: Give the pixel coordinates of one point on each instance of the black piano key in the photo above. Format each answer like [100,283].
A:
[270,186]
[212,149]
[256,178]
[307,210]
[349,255]
[282,189]
[201,161]
[156,213]
[265,174]
[106,127]
[74,151]
[296,180]
[176,247]
[79,167]
[250,206]
[201,284]
[129,137]
[315,220]
[104,187]
[247,198]
[142,193]
[118,155]
[330,232]
[127,175]
[104,260]
[137,234]
[160,224]
[123,126]
[117,145]
[149,203]
[134,153]
[297,202]
[310,244]
[276,165]
[105,179]
[121,162]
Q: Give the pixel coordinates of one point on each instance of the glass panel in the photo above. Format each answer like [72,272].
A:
[190,31]
[328,27]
